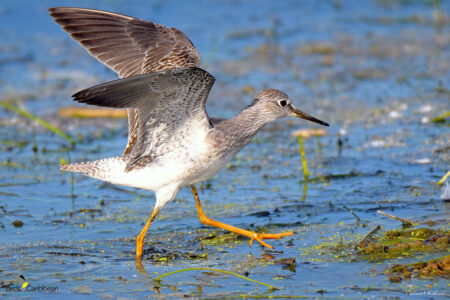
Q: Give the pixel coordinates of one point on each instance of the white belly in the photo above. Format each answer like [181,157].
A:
[171,169]
[181,172]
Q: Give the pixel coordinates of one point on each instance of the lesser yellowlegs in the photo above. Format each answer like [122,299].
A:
[172,142]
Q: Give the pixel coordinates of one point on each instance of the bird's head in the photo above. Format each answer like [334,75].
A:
[275,104]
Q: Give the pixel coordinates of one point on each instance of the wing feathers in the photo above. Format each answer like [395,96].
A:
[164,100]
[127,45]
[141,91]
[121,93]
[116,35]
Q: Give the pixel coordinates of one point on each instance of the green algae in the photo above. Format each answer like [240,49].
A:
[380,245]
[222,239]
[167,256]
[403,243]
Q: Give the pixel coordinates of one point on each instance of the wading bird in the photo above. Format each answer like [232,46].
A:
[172,142]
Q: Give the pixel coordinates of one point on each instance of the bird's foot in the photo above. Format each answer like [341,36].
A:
[260,236]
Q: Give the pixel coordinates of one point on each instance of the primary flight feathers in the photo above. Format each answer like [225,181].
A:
[129,46]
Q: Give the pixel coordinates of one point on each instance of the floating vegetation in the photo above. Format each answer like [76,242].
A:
[368,235]
[165,256]
[443,118]
[307,133]
[379,245]
[38,120]
[403,242]
[88,112]
[335,176]
[10,164]
[221,239]
[14,144]
[319,48]
[439,267]
[158,279]
[17,223]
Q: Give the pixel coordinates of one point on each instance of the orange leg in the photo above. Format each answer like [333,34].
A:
[252,235]
[141,236]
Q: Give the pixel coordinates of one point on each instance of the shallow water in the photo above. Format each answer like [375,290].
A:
[378,72]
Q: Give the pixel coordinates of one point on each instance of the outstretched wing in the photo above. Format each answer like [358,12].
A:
[127,45]
[170,104]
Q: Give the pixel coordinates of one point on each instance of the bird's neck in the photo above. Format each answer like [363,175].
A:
[247,123]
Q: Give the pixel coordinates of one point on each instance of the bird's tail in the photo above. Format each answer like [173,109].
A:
[100,169]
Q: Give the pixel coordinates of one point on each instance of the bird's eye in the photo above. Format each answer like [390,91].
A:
[282,103]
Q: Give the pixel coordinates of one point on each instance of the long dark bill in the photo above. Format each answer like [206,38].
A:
[302,115]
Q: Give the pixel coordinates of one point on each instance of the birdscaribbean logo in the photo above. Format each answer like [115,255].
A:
[23,281]
[24,285]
